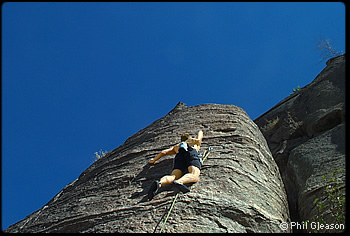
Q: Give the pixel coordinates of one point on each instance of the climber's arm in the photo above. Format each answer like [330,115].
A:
[198,140]
[165,152]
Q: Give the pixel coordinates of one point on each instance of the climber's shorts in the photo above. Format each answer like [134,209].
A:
[183,160]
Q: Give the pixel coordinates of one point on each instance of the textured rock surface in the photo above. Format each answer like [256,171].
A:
[306,135]
[240,188]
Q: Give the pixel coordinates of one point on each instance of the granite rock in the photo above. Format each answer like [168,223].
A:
[240,188]
[306,135]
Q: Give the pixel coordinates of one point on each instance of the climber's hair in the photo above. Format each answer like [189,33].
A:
[184,137]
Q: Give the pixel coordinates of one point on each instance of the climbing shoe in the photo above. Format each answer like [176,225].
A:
[181,187]
[153,190]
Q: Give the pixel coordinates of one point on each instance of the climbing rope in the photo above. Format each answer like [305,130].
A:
[172,205]
[205,155]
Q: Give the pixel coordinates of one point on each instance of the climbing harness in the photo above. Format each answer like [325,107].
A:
[205,155]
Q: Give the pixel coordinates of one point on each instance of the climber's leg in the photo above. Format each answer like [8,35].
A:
[168,179]
[191,177]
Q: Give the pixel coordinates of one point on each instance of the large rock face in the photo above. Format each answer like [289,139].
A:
[306,135]
[240,187]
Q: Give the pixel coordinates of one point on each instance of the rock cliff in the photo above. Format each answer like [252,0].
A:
[306,135]
[240,187]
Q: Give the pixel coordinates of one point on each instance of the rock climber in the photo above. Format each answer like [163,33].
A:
[187,161]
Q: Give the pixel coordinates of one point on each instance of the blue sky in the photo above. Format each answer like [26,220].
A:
[80,77]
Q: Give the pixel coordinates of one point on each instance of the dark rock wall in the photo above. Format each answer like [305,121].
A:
[240,187]
[306,135]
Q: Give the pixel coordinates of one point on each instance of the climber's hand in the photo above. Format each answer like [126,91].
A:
[152,161]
